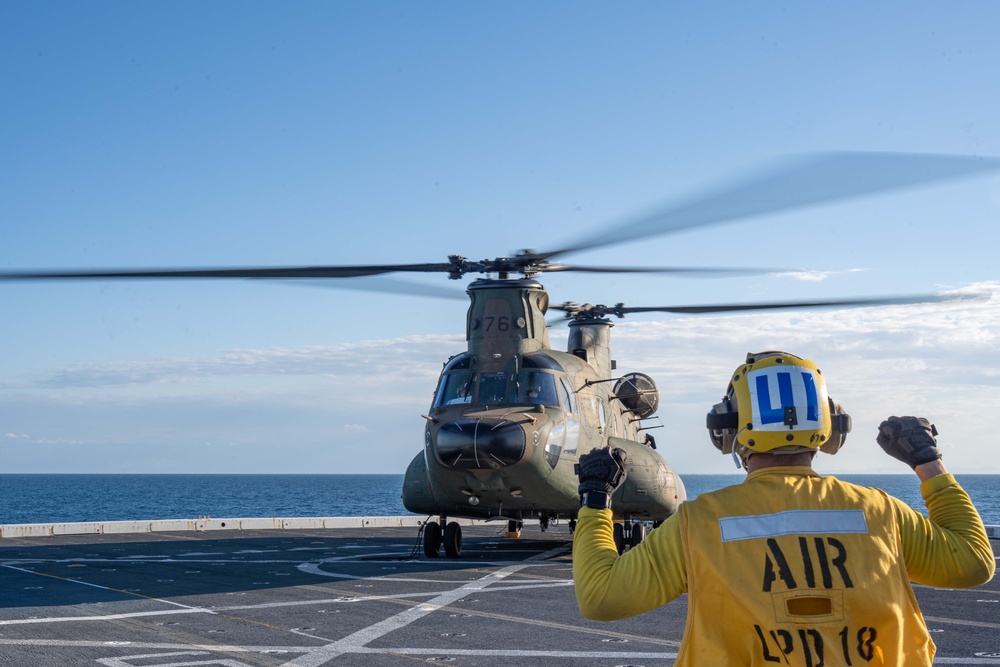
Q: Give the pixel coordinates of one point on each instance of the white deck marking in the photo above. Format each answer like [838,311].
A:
[375,598]
[107,588]
[357,640]
[957,621]
[124,661]
[338,600]
[107,617]
[316,568]
[166,646]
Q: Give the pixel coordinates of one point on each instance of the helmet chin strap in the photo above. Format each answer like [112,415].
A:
[740,453]
[739,460]
[743,454]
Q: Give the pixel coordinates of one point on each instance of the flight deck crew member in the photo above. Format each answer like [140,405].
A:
[789,567]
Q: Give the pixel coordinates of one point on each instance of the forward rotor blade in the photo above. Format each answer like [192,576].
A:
[325,272]
[387,286]
[353,278]
[795,183]
[272,273]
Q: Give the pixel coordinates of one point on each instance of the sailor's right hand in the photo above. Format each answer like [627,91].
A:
[909,439]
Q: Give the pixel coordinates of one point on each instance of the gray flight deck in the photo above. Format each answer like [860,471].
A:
[351,596]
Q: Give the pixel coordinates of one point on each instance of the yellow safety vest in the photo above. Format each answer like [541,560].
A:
[798,570]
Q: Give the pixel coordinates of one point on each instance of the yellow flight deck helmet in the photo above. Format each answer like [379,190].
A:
[777,402]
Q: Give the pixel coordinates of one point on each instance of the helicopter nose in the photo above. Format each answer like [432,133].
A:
[479,444]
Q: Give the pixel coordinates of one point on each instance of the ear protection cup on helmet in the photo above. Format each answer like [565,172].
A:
[840,426]
[722,423]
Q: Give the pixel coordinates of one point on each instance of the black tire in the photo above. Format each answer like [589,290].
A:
[432,539]
[453,540]
[619,533]
[638,533]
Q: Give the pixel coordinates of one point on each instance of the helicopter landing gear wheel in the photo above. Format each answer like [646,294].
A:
[619,534]
[453,540]
[638,534]
[432,539]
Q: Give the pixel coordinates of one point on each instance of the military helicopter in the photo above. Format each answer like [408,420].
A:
[511,415]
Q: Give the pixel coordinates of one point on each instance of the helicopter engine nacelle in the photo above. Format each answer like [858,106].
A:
[638,394]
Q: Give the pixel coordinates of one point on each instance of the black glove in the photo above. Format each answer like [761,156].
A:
[600,472]
[909,439]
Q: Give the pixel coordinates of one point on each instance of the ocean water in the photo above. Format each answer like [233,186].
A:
[72,498]
[69,498]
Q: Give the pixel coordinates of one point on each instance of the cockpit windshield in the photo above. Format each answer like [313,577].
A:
[461,386]
[492,388]
[455,388]
[537,388]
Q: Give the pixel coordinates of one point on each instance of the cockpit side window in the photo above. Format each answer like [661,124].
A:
[537,388]
[568,396]
[454,388]
[601,417]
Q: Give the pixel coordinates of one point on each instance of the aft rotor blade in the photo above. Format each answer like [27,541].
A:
[798,182]
[779,305]
[272,273]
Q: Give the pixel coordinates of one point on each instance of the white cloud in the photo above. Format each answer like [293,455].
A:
[937,360]
[397,357]
[815,276]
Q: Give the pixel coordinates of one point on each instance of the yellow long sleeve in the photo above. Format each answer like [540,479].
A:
[950,548]
[610,587]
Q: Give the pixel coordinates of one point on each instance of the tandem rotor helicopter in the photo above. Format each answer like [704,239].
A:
[511,415]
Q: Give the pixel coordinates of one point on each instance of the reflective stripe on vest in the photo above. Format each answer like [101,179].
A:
[792,522]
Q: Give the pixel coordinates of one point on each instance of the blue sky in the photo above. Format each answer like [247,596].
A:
[233,134]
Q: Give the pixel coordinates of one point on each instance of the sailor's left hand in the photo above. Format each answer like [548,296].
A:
[601,470]
[909,439]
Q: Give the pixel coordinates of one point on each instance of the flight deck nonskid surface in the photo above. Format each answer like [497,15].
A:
[306,598]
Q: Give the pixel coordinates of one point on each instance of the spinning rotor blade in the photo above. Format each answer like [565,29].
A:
[368,278]
[387,286]
[308,273]
[815,179]
[735,307]
[572,310]
[797,182]
[246,272]
[704,272]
